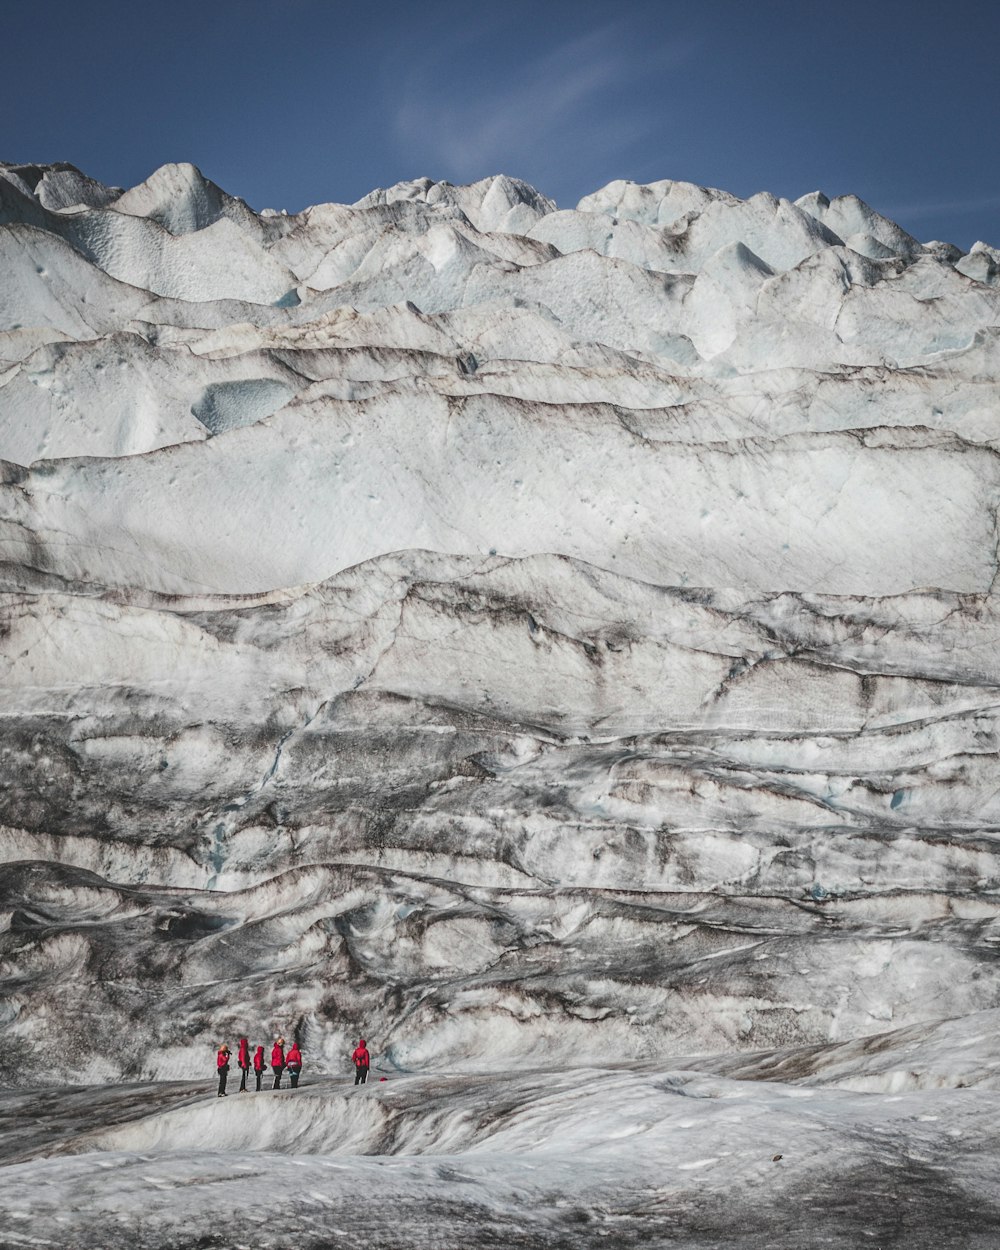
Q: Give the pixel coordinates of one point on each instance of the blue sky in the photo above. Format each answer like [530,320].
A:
[291,102]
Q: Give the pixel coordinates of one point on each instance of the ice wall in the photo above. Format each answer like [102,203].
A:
[516,633]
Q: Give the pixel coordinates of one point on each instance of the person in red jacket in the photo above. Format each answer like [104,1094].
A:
[222,1063]
[243,1062]
[293,1062]
[278,1061]
[259,1065]
[361,1062]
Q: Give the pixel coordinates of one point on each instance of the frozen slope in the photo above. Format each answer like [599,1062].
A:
[631,1156]
[531,637]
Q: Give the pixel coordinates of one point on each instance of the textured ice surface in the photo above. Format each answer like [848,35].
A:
[538,639]
[633,1155]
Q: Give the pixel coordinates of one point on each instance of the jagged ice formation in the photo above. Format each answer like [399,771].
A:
[527,634]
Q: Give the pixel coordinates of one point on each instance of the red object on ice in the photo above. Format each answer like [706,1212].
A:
[383,1078]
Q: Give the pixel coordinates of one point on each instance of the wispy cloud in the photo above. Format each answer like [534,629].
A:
[570,106]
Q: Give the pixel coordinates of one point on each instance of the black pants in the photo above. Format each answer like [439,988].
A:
[293,1076]
[361,1074]
[260,1077]
[277,1078]
[243,1082]
[223,1077]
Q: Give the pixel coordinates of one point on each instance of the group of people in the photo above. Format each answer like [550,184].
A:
[280,1062]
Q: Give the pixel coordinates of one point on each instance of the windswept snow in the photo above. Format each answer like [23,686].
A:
[560,644]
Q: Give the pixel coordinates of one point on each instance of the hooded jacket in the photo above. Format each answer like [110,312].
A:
[259,1062]
[277,1056]
[222,1059]
[294,1057]
[361,1057]
[243,1057]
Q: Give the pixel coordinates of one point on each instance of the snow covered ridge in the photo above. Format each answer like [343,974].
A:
[508,631]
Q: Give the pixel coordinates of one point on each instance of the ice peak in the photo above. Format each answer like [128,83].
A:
[181,199]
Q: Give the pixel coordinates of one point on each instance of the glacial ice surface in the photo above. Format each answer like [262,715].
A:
[560,644]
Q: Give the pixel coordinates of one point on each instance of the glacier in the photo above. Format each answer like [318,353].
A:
[560,645]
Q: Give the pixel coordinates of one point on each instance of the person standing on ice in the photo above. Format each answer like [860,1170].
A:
[361,1063]
[278,1061]
[293,1062]
[243,1063]
[222,1063]
[259,1065]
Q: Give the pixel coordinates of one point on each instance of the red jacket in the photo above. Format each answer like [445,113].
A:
[222,1059]
[361,1057]
[259,1063]
[243,1058]
[278,1056]
[294,1058]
